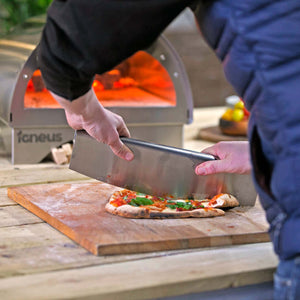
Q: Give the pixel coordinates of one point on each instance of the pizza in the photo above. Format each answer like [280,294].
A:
[130,204]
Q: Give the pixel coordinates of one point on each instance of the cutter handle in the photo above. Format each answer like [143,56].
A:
[194,155]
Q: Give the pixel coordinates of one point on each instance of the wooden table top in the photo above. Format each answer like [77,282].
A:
[38,262]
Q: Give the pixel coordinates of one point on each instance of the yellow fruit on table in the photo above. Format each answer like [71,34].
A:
[234,121]
[237,115]
[227,114]
[239,105]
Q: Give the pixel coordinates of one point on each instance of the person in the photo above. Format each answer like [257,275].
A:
[258,43]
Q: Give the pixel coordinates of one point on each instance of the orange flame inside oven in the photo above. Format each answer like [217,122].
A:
[139,81]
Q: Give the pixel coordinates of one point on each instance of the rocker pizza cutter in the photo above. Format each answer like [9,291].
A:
[156,169]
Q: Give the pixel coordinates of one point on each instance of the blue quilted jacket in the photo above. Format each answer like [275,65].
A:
[258,42]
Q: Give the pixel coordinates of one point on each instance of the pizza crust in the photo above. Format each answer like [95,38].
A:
[224,200]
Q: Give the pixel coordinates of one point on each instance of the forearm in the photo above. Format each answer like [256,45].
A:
[80,110]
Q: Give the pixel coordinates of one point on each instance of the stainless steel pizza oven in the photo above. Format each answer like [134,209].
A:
[150,90]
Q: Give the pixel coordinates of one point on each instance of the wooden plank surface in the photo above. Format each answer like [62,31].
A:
[4,199]
[150,278]
[15,215]
[77,210]
[37,248]
[12,176]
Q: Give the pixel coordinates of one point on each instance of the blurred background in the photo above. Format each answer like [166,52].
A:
[14,13]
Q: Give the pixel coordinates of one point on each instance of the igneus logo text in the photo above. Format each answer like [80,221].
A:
[38,138]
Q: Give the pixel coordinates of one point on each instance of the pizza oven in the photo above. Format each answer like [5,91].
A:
[150,90]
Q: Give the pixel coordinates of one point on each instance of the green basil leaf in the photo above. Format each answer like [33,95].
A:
[146,201]
[139,198]
[143,201]
[132,202]
[172,206]
[188,207]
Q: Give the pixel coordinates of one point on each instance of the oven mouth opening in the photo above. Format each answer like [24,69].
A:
[139,81]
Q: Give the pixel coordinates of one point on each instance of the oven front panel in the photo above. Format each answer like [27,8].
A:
[150,87]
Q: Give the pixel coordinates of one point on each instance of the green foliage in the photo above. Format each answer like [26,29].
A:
[16,12]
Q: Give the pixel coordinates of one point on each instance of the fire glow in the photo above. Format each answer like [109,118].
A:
[138,81]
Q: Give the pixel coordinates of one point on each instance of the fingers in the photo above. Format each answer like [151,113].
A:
[117,146]
[123,131]
[121,150]
[210,150]
[100,123]
[210,167]
[112,139]
[234,158]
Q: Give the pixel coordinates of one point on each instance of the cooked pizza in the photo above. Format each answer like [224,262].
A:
[130,204]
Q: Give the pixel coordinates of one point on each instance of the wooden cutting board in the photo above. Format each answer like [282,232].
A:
[77,210]
[214,134]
